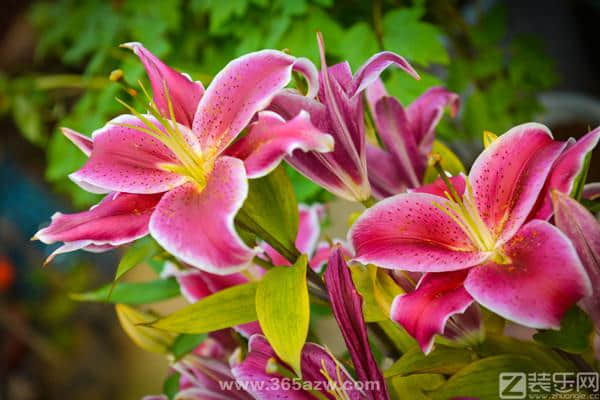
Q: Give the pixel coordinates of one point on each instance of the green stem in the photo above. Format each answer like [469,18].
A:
[377,24]
[289,253]
[61,81]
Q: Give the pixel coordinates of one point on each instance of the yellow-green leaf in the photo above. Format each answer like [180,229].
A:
[377,289]
[283,310]
[442,360]
[226,308]
[414,387]
[146,337]
[480,379]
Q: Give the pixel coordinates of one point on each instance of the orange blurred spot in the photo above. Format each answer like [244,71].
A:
[7,274]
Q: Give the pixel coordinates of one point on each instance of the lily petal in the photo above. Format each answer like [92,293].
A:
[114,221]
[323,251]
[124,159]
[374,66]
[197,226]
[385,176]
[252,372]
[245,86]
[426,111]
[184,93]
[346,304]
[584,231]
[543,280]
[309,227]
[271,138]
[83,143]
[564,173]
[424,312]
[409,232]
[509,175]
[438,187]
[395,133]
[375,92]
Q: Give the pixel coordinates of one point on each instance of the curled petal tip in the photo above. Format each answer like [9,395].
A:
[48,260]
[130,45]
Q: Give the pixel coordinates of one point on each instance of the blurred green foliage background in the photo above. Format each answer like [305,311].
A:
[469,52]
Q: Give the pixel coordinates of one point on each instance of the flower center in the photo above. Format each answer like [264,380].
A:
[192,162]
[463,211]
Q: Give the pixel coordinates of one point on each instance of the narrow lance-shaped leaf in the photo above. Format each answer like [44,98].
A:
[139,252]
[271,212]
[224,309]
[132,293]
[283,310]
[147,338]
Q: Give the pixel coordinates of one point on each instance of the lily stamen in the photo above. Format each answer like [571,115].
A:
[463,211]
[193,164]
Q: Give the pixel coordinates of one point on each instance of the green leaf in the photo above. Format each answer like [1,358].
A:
[301,38]
[359,44]
[224,309]
[364,284]
[415,387]
[480,379]
[147,338]
[402,27]
[406,88]
[398,335]
[283,310]
[271,212]
[171,386]
[185,344]
[574,334]
[442,360]
[497,343]
[581,178]
[132,293]
[377,289]
[139,252]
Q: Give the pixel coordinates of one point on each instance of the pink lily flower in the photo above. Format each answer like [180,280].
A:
[206,372]
[483,244]
[120,218]
[188,158]
[584,231]
[407,135]
[266,377]
[338,111]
